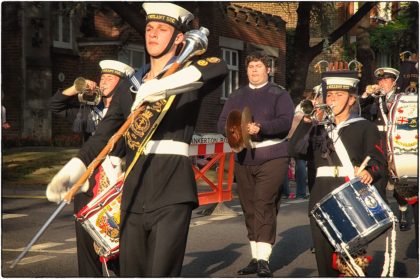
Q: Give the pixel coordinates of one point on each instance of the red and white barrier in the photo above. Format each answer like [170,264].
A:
[216,147]
[208,144]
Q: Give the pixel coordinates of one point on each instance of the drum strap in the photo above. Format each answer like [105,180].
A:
[341,150]
[342,154]
[150,134]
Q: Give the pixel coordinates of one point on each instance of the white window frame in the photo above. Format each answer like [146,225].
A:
[60,43]
[128,59]
[233,73]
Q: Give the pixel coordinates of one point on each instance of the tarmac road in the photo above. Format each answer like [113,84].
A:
[217,244]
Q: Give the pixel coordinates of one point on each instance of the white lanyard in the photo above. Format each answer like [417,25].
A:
[341,150]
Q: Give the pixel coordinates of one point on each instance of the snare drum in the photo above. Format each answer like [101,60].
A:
[353,214]
[101,219]
[403,138]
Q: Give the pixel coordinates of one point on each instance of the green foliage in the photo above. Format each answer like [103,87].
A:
[398,35]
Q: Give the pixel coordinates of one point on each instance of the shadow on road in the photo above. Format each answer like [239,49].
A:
[291,244]
[207,263]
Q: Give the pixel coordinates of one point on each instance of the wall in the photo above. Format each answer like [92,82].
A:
[29,83]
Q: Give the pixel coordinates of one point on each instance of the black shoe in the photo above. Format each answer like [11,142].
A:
[251,268]
[312,250]
[404,225]
[263,269]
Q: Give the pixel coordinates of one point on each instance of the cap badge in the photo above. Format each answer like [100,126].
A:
[202,63]
[213,59]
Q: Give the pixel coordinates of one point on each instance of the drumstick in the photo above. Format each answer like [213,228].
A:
[363,165]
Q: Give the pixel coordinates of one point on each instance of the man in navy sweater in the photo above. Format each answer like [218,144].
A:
[260,171]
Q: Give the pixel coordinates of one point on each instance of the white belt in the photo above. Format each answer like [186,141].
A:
[382,128]
[167,147]
[267,143]
[331,172]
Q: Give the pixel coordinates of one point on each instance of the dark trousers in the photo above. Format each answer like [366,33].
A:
[259,189]
[323,251]
[415,208]
[87,259]
[152,244]
[300,178]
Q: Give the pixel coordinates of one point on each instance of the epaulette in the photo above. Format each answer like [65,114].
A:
[274,88]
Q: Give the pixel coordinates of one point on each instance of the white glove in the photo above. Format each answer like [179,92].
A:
[65,178]
[112,168]
[154,90]
[371,89]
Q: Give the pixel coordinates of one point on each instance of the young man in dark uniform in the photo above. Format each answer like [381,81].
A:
[160,191]
[359,139]
[114,76]
[260,171]
[376,102]
[86,113]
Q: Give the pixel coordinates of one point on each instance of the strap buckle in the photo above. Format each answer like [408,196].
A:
[336,171]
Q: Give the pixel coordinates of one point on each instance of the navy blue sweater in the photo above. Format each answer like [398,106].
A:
[271,107]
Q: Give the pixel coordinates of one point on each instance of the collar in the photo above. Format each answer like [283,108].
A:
[352,118]
[137,78]
[258,86]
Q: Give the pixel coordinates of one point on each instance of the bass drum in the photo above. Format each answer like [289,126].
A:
[402,138]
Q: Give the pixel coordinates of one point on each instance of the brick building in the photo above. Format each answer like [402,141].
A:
[46,45]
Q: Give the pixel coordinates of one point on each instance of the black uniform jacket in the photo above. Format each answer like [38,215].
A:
[157,180]
[360,139]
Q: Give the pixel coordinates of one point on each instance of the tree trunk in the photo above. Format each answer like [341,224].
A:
[305,54]
[365,55]
[301,62]
[130,12]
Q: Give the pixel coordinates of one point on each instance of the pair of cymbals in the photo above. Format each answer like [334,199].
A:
[237,129]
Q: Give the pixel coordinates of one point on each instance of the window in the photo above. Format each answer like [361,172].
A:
[62,25]
[133,55]
[232,80]
[273,68]
[383,60]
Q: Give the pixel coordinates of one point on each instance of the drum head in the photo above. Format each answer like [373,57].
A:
[234,131]
[246,119]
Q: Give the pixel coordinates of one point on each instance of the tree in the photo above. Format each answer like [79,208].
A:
[304,53]
[399,35]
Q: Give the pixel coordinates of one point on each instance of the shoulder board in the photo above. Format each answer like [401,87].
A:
[275,88]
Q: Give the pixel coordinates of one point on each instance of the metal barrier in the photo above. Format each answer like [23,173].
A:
[216,148]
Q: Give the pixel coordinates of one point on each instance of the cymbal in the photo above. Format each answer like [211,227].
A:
[234,131]
[245,120]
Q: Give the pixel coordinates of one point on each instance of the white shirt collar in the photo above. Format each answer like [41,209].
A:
[258,86]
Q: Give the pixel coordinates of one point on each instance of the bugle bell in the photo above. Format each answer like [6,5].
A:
[311,110]
[86,95]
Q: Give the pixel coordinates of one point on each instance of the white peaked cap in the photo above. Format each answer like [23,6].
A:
[340,83]
[168,13]
[116,68]
[386,72]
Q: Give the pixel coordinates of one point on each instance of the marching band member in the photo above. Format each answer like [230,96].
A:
[86,116]
[160,190]
[113,78]
[376,102]
[261,171]
[348,134]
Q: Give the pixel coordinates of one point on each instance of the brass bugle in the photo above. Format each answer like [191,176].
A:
[309,109]
[80,84]
[85,94]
